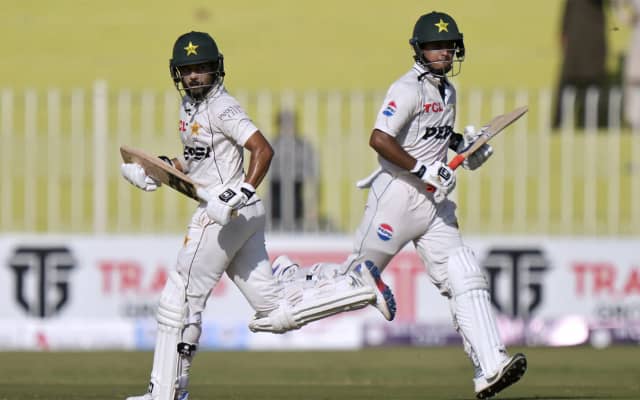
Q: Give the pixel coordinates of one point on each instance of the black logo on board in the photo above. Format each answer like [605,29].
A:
[41,279]
[516,280]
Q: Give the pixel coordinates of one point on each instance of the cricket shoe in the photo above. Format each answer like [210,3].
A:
[511,371]
[182,395]
[146,396]
[385,301]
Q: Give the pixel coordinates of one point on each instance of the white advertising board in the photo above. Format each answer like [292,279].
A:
[86,292]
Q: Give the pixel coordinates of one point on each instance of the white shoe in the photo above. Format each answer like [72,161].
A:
[385,301]
[510,372]
[181,392]
[181,395]
[146,396]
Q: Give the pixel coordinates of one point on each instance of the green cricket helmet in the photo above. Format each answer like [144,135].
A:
[435,27]
[196,48]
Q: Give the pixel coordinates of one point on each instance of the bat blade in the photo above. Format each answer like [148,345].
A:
[495,126]
[160,170]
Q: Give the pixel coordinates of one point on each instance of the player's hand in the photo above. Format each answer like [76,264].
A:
[481,155]
[438,176]
[134,173]
[223,200]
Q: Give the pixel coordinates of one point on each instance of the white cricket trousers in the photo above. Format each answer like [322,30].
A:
[399,209]
[238,249]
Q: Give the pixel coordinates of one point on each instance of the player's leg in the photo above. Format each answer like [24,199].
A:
[207,252]
[391,219]
[250,271]
[389,222]
[300,301]
[455,271]
[170,315]
[471,302]
[277,311]
[201,262]
[290,274]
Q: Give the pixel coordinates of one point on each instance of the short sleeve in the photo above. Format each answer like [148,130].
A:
[398,109]
[235,122]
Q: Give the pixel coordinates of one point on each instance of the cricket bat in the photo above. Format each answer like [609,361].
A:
[160,170]
[495,126]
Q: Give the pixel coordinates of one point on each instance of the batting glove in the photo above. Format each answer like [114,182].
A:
[134,174]
[438,176]
[222,201]
[481,155]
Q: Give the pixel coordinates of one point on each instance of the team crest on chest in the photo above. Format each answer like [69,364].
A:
[194,128]
[390,109]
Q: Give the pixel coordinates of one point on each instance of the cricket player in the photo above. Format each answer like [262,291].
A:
[412,135]
[226,232]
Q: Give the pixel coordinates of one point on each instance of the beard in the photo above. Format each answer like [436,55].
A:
[440,67]
[198,91]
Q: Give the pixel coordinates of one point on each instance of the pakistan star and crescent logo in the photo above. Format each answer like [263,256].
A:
[191,49]
[194,128]
[442,26]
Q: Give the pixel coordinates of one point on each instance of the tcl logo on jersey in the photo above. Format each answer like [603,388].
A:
[390,109]
[438,132]
[196,153]
[182,125]
[385,232]
[434,107]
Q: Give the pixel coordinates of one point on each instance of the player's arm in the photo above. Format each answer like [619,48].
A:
[437,175]
[261,154]
[387,146]
[221,205]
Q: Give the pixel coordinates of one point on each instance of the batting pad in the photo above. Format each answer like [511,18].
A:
[472,310]
[316,304]
[170,316]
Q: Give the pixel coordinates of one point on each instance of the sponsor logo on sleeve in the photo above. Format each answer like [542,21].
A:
[230,113]
[390,109]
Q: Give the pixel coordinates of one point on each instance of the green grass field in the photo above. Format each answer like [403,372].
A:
[394,373]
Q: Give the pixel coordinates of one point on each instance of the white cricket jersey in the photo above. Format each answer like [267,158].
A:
[417,116]
[213,133]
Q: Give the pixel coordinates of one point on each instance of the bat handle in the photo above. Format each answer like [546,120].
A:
[453,164]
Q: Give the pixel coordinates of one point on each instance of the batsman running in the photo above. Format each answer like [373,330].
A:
[226,232]
[412,135]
